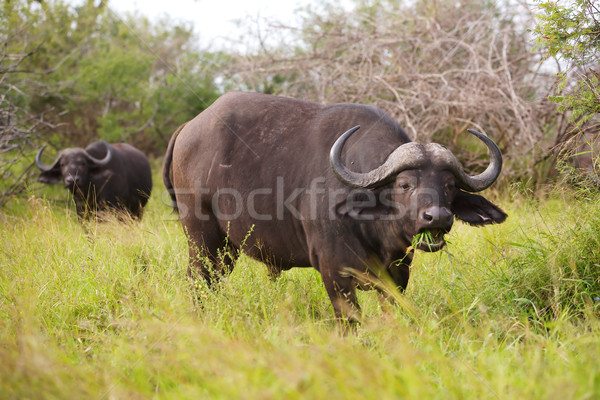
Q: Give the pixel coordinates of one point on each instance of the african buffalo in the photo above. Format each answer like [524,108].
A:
[101,176]
[347,206]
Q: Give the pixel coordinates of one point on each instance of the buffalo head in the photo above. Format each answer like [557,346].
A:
[73,166]
[420,188]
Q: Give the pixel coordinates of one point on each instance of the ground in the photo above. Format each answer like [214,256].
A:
[105,310]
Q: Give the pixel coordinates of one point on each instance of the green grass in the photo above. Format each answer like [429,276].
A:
[105,311]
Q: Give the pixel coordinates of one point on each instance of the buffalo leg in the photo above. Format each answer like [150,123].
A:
[210,257]
[342,293]
[399,272]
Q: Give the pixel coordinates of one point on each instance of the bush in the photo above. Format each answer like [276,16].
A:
[438,67]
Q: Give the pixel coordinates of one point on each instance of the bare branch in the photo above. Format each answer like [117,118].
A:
[435,72]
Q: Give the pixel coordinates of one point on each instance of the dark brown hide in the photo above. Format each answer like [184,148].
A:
[260,163]
[122,180]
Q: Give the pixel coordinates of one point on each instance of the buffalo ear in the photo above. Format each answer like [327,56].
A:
[50,177]
[361,205]
[476,210]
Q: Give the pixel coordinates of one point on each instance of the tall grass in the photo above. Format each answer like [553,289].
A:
[105,310]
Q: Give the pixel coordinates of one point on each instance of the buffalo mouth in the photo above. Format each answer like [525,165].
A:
[72,187]
[430,240]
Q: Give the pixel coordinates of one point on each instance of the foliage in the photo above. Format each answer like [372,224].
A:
[105,310]
[572,30]
[19,126]
[74,74]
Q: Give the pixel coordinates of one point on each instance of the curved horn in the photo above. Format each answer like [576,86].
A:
[484,180]
[413,155]
[40,164]
[101,162]
[408,155]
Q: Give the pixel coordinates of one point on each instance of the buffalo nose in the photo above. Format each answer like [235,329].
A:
[437,216]
[71,180]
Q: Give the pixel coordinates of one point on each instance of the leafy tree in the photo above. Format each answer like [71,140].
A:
[72,74]
[571,31]
[121,79]
[20,126]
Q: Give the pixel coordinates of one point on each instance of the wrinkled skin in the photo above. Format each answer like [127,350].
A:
[124,183]
[271,156]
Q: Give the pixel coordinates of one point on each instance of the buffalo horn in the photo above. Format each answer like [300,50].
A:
[485,179]
[99,162]
[411,155]
[40,164]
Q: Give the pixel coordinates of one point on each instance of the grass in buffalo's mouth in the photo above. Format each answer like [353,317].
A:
[427,237]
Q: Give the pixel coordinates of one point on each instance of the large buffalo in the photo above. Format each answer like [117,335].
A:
[349,206]
[101,176]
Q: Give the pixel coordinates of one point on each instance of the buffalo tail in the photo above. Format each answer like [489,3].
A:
[167,171]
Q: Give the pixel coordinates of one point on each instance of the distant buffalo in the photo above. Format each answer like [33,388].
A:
[101,176]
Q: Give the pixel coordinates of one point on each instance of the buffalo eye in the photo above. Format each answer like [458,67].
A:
[405,183]
[405,186]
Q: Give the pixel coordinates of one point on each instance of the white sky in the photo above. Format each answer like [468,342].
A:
[214,19]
